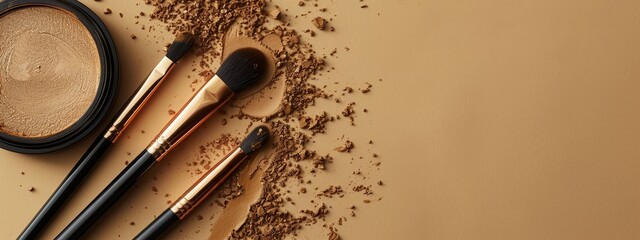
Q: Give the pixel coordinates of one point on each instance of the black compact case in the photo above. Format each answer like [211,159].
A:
[106,89]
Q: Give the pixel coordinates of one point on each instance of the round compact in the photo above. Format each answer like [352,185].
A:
[58,74]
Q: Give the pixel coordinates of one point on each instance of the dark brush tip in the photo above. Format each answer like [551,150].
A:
[242,68]
[255,139]
[180,46]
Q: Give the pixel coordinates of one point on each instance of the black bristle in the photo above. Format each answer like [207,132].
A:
[242,68]
[180,46]
[255,139]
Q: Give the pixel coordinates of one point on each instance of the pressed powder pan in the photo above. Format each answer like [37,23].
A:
[58,74]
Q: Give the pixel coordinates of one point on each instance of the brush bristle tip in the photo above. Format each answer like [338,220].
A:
[255,139]
[243,68]
[180,46]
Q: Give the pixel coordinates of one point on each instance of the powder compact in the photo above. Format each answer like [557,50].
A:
[58,74]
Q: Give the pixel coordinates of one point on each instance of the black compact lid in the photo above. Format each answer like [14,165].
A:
[106,88]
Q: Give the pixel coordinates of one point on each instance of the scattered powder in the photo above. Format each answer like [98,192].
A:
[315,124]
[320,161]
[348,145]
[348,112]
[361,188]
[318,22]
[331,191]
[208,19]
[275,14]
[211,151]
[366,88]
[296,64]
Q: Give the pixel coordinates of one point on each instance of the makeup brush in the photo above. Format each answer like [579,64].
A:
[241,69]
[205,186]
[178,49]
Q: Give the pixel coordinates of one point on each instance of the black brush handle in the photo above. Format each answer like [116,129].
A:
[159,226]
[108,197]
[66,188]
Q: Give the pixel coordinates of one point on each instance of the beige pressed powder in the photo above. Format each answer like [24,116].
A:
[49,71]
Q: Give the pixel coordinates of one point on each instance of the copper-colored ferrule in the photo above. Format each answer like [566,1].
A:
[201,106]
[207,183]
[135,103]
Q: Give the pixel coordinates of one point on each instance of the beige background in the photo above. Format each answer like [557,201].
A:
[494,120]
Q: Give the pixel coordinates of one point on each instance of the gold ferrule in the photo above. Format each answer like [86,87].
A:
[201,106]
[137,101]
[207,183]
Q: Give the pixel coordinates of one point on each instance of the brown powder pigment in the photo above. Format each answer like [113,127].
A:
[208,19]
[49,71]
[219,27]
